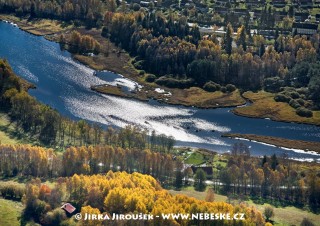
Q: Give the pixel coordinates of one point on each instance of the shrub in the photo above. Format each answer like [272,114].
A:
[273,84]
[12,190]
[301,102]
[230,88]
[142,72]
[268,212]
[294,104]
[223,89]
[174,83]
[282,98]
[303,112]
[211,87]
[294,95]
[306,222]
[150,78]
[302,90]
[139,64]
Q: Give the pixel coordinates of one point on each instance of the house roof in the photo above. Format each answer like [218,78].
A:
[207,169]
[68,207]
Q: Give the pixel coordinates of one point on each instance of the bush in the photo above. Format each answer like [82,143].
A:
[303,112]
[273,84]
[306,222]
[12,190]
[174,83]
[211,87]
[282,98]
[139,64]
[268,212]
[302,90]
[301,102]
[230,88]
[54,217]
[294,95]
[150,78]
[223,89]
[294,104]
[142,72]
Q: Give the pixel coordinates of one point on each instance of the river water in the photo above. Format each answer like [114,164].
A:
[64,84]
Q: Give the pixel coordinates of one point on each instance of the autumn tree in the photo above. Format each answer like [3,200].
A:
[210,195]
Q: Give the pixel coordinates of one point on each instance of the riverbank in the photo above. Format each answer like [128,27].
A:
[193,96]
[279,142]
[264,106]
[39,27]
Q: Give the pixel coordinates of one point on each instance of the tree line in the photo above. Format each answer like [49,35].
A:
[26,160]
[272,178]
[89,12]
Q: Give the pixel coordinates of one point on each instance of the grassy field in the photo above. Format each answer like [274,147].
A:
[197,156]
[9,134]
[283,216]
[9,212]
[5,127]
[195,159]
[198,97]
[117,91]
[264,106]
[280,142]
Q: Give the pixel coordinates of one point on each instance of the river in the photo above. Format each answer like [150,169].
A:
[64,84]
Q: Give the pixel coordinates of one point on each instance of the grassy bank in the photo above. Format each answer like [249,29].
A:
[38,27]
[264,106]
[10,211]
[193,96]
[117,91]
[280,142]
[283,215]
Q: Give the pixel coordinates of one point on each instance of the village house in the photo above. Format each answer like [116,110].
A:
[207,169]
[301,16]
[307,29]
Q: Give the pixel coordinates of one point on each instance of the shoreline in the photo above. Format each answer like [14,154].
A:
[263,106]
[299,146]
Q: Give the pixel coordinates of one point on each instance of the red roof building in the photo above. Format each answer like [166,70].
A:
[68,207]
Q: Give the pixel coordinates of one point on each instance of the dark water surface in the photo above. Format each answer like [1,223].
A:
[64,84]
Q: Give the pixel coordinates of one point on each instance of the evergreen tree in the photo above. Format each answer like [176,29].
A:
[228,39]
[199,180]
